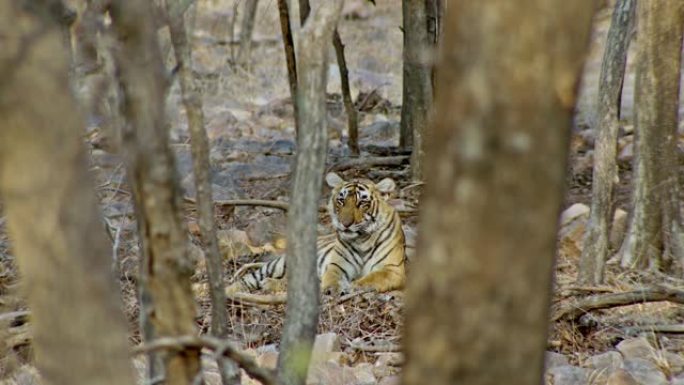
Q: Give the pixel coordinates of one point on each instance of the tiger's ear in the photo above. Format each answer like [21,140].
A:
[333,180]
[386,185]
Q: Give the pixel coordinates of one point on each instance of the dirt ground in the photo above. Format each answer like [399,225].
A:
[249,122]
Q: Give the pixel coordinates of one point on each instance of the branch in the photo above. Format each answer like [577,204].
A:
[575,308]
[216,345]
[279,205]
[259,299]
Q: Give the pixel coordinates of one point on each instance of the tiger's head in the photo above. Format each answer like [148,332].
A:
[357,207]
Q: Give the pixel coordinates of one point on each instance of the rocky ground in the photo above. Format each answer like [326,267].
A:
[249,122]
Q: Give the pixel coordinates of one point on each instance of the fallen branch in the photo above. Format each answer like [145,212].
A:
[219,347]
[371,161]
[280,205]
[258,299]
[668,329]
[573,309]
[381,347]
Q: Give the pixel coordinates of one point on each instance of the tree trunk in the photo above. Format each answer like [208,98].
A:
[596,241]
[352,117]
[477,303]
[302,293]
[290,59]
[79,332]
[151,167]
[655,231]
[230,374]
[417,85]
[246,30]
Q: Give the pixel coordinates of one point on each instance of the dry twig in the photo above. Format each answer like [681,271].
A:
[216,345]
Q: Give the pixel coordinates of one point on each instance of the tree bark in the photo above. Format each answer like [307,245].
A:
[152,174]
[79,332]
[488,221]
[352,117]
[303,292]
[192,100]
[596,241]
[246,31]
[290,59]
[655,232]
[417,85]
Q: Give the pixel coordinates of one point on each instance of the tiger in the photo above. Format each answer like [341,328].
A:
[366,251]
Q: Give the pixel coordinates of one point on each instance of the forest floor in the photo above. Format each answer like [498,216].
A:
[250,126]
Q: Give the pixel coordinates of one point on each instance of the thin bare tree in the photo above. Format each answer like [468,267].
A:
[246,31]
[192,100]
[596,241]
[478,298]
[150,165]
[417,85]
[303,292]
[654,237]
[79,332]
[290,59]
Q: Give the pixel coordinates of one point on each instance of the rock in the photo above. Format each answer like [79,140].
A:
[574,212]
[618,229]
[573,225]
[390,380]
[389,359]
[676,362]
[364,374]
[679,380]
[608,361]
[325,343]
[626,154]
[330,373]
[264,229]
[554,360]
[568,375]
[645,371]
[636,348]
[268,359]
[621,377]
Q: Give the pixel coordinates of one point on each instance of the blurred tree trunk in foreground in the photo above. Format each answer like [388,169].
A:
[654,237]
[477,303]
[301,320]
[192,100]
[417,84]
[80,336]
[596,241]
[150,165]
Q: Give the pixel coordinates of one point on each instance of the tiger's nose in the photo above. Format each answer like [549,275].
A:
[347,221]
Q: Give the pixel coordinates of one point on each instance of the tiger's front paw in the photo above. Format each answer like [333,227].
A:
[272,285]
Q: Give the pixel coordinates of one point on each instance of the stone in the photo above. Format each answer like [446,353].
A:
[389,359]
[364,374]
[390,380]
[676,362]
[268,359]
[568,375]
[618,229]
[323,346]
[330,373]
[608,361]
[621,377]
[645,371]
[636,348]
[574,212]
[553,360]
